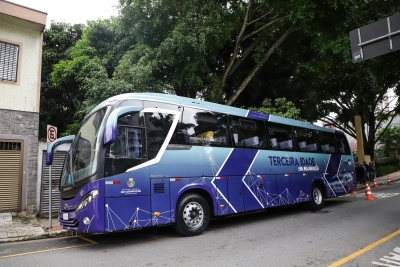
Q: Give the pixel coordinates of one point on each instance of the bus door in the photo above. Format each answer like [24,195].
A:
[260,191]
[284,184]
[235,193]
[160,201]
[221,195]
[301,186]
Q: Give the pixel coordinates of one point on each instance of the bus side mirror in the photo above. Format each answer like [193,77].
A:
[110,132]
[53,145]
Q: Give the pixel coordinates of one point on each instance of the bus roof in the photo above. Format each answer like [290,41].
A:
[200,104]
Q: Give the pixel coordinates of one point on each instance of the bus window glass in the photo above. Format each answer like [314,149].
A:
[203,128]
[280,137]
[247,133]
[129,148]
[157,128]
[131,103]
[326,142]
[342,145]
[306,139]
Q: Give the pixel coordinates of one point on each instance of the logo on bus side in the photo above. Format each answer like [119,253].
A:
[131,182]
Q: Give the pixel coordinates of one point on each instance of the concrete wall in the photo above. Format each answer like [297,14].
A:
[24,126]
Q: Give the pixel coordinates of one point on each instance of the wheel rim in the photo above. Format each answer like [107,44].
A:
[317,195]
[193,214]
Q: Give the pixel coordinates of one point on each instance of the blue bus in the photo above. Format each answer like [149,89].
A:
[147,159]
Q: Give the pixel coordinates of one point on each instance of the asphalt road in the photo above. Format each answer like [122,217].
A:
[349,231]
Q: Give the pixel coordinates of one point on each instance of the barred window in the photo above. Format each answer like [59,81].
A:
[8,61]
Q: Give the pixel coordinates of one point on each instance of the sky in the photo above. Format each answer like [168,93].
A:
[72,11]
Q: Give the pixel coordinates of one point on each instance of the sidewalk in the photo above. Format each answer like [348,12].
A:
[381,180]
[19,228]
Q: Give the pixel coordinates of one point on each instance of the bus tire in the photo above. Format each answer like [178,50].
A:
[192,216]
[317,198]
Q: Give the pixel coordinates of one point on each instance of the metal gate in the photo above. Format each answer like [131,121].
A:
[58,160]
[11,174]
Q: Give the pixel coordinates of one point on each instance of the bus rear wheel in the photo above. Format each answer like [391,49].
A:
[192,216]
[317,198]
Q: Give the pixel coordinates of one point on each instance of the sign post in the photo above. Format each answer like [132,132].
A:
[51,137]
[375,39]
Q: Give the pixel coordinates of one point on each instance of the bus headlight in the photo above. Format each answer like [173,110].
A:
[87,199]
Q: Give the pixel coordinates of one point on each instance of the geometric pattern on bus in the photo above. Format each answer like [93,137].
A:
[252,182]
[265,198]
[136,220]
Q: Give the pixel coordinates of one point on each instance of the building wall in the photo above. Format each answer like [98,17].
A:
[20,100]
[23,94]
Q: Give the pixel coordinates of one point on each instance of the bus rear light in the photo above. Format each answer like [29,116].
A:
[260,176]
[305,174]
[175,179]
[220,177]
[326,173]
[287,174]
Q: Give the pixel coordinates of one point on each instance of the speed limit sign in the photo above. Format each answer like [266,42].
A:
[51,134]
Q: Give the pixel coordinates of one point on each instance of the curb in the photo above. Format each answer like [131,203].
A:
[55,234]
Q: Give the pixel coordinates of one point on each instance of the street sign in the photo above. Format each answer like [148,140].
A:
[51,134]
[375,39]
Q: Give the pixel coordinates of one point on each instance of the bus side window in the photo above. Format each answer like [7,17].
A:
[280,136]
[342,144]
[327,142]
[157,128]
[247,133]
[129,148]
[203,128]
[306,139]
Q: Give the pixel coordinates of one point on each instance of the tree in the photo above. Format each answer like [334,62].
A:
[281,107]
[390,139]
[346,89]
[91,62]
[55,105]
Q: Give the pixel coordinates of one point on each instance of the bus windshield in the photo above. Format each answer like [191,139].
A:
[83,151]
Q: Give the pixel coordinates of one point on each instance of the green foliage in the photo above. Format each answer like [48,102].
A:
[390,140]
[281,107]
[385,170]
[235,52]
[56,104]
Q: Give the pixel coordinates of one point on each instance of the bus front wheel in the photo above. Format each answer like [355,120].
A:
[192,216]
[317,198]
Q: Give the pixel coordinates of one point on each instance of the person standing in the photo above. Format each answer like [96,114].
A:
[366,170]
[372,171]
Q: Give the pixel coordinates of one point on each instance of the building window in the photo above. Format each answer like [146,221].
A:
[8,61]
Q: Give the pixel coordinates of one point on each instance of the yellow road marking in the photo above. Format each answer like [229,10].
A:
[88,240]
[53,249]
[367,248]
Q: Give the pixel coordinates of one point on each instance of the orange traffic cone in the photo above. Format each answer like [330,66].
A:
[367,188]
[389,182]
[369,195]
[353,192]
[375,184]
